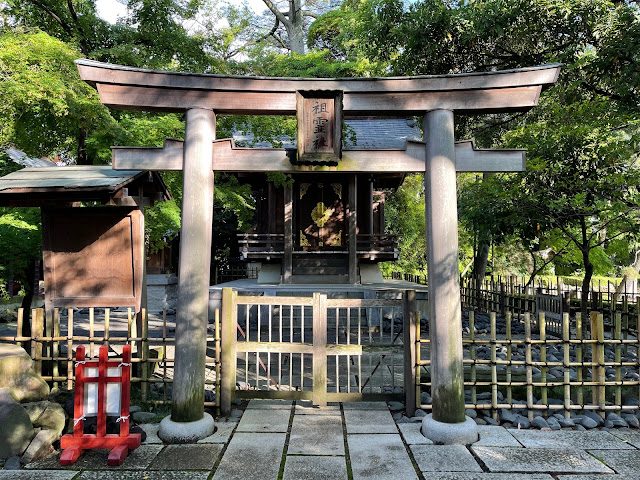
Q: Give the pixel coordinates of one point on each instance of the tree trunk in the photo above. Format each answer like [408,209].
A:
[586,281]
[295,27]
[82,159]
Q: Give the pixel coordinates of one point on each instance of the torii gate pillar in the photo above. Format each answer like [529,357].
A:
[188,421]
[447,424]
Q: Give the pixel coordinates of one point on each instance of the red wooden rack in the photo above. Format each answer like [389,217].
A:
[120,444]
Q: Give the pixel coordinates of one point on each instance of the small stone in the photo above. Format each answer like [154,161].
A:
[134,408]
[522,422]
[507,416]
[613,420]
[539,422]
[631,420]
[586,422]
[237,401]
[396,406]
[235,413]
[580,428]
[420,413]
[554,424]
[12,463]
[479,421]
[425,398]
[595,417]
[471,413]
[404,419]
[144,417]
[397,416]
[491,421]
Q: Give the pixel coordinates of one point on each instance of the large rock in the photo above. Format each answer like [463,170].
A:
[16,430]
[40,446]
[16,373]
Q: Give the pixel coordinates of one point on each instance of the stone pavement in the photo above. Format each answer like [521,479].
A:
[294,441]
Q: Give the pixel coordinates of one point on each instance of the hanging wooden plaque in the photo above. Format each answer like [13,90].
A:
[319,126]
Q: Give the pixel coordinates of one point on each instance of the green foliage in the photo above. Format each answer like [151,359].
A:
[19,242]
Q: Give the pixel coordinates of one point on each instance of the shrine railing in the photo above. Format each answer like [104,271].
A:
[261,245]
[377,246]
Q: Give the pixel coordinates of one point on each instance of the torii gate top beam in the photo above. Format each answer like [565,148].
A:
[130,88]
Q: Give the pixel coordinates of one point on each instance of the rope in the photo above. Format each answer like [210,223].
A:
[122,419]
[80,363]
[76,421]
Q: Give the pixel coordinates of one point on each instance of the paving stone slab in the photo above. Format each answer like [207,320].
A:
[144,475]
[258,420]
[494,436]
[444,458]
[315,468]
[596,477]
[252,456]
[151,429]
[629,436]
[37,475]
[316,435]
[369,421]
[365,406]
[269,404]
[487,476]
[412,434]
[306,408]
[534,460]
[138,459]
[570,439]
[187,457]
[624,462]
[379,457]
[223,432]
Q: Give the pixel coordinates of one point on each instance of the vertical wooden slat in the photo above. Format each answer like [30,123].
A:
[55,347]
[597,359]
[91,333]
[102,390]
[528,366]
[352,226]
[494,368]
[542,322]
[410,357]
[566,359]
[19,325]
[69,348]
[164,354]
[145,353]
[217,357]
[288,235]
[418,389]
[107,325]
[580,358]
[472,355]
[618,357]
[509,354]
[319,349]
[37,320]
[228,345]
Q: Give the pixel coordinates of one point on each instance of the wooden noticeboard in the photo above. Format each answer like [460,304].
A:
[93,257]
[319,126]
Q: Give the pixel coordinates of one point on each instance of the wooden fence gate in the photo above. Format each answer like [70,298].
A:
[317,348]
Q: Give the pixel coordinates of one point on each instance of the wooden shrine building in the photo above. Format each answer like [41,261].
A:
[327,211]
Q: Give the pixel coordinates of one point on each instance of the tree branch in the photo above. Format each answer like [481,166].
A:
[279,15]
[309,13]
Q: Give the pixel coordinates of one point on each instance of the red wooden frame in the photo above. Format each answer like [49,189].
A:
[74,444]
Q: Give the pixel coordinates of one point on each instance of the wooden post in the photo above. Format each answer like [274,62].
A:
[352,221]
[228,346]
[319,349]
[37,321]
[447,374]
[195,261]
[597,360]
[409,340]
[287,271]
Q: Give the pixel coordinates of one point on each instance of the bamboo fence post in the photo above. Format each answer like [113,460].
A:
[91,332]
[597,359]
[566,360]
[37,320]
[70,371]
[494,368]
[107,325]
[164,354]
[509,351]
[617,336]
[580,357]
[217,347]
[418,361]
[625,320]
[543,358]
[145,354]
[55,346]
[409,342]
[19,325]
[528,366]
[228,346]
[472,355]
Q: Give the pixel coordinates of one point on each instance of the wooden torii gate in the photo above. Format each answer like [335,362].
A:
[436,98]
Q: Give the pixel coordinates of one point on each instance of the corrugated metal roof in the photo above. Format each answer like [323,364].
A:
[71,177]
[21,158]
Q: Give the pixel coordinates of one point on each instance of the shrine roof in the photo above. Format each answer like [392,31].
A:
[32,186]
[141,89]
